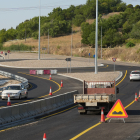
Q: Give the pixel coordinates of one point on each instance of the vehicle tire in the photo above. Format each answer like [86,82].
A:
[20,96]
[83,113]
[26,95]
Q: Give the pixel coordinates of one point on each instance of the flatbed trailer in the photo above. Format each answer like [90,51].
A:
[96,95]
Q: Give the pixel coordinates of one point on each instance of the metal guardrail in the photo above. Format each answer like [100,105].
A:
[23,80]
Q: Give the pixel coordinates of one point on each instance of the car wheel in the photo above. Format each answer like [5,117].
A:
[26,95]
[20,96]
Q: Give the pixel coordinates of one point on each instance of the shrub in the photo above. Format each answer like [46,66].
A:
[20,47]
[58,47]
[130,44]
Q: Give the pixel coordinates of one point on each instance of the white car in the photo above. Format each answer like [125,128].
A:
[16,91]
[135,75]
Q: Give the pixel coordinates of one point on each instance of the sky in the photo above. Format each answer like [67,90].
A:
[13,12]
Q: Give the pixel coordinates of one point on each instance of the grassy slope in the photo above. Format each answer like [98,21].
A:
[62,45]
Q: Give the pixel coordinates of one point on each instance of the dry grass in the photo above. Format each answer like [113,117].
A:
[106,16]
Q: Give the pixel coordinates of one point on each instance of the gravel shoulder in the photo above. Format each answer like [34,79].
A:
[91,76]
[30,60]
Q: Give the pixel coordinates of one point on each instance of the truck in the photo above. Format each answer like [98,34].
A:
[96,94]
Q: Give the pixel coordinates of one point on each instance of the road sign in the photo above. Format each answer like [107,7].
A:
[89,54]
[117,111]
[114,59]
[68,59]
[43,48]
[94,55]
[5,53]
[8,51]
[1,52]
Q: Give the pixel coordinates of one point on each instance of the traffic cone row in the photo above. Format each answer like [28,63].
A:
[102,115]
[50,91]
[50,77]
[61,83]
[8,102]
[136,99]
[44,137]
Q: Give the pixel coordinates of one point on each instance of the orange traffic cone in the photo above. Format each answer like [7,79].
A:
[50,77]
[61,83]
[8,102]
[139,93]
[136,99]
[50,91]
[102,115]
[44,137]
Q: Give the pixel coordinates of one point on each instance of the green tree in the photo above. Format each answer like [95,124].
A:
[135,33]
[11,34]
[126,27]
[78,20]
[137,7]
[86,30]
[3,35]
[57,14]
[130,6]
[109,37]
[121,7]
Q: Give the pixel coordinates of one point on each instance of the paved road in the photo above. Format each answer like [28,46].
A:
[41,85]
[68,124]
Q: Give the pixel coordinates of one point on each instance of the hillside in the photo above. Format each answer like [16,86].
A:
[62,41]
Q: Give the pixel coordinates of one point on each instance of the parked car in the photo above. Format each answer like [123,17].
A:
[16,91]
[135,75]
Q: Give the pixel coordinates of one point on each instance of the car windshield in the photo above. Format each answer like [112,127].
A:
[135,72]
[12,88]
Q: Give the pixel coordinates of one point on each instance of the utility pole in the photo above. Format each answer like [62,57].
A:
[48,41]
[39,35]
[71,40]
[25,33]
[101,37]
[96,39]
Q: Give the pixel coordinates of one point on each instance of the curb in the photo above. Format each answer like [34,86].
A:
[121,74]
[46,67]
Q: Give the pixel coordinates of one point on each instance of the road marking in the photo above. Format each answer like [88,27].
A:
[40,118]
[104,67]
[30,86]
[72,108]
[41,96]
[123,78]
[80,134]
[58,112]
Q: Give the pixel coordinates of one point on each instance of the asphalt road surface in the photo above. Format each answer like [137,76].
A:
[69,124]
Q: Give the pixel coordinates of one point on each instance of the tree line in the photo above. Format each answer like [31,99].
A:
[60,21]
[115,30]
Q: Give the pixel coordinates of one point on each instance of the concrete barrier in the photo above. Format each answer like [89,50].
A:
[36,108]
[47,72]
[40,72]
[32,72]
[53,71]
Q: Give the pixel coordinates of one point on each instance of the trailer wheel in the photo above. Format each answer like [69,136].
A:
[83,113]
